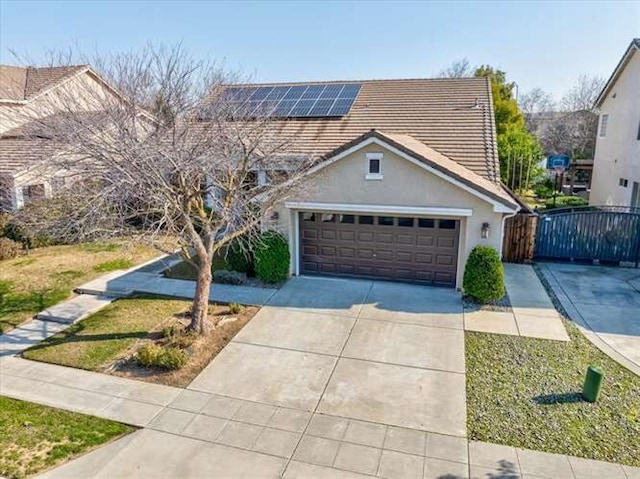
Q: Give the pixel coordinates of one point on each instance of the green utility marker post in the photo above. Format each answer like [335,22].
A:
[593,384]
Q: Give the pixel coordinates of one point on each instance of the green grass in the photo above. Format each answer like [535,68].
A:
[34,437]
[525,392]
[113,265]
[49,275]
[97,340]
[184,270]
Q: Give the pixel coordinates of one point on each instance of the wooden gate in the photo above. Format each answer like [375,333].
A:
[519,238]
[603,233]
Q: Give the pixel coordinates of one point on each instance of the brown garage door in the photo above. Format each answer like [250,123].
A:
[421,250]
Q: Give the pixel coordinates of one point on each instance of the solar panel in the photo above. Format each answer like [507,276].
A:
[298,101]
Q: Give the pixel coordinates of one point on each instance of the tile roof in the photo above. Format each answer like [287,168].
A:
[451,116]
[21,148]
[23,83]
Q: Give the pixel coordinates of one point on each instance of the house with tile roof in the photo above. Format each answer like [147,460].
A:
[27,94]
[616,168]
[406,180]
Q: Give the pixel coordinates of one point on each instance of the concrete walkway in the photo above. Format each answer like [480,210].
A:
[332,379]
[149,280]
[533,314]
[605,303]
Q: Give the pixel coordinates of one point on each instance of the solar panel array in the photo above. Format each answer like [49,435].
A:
[297,101]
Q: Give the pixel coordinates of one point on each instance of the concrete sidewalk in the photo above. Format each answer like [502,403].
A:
[533,314]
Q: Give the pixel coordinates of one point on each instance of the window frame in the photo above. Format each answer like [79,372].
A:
[604,123]
[375,156]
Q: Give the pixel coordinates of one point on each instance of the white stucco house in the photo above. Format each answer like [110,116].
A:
[406,180]
[616,169]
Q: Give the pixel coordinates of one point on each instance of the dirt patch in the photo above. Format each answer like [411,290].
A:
[223,326]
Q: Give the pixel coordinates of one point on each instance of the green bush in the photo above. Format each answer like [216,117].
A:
[566,201]
[152,355]
[235,308]
[223,276]
[240,256]
[113,265]
[483,275]
[272,257]
[9,249]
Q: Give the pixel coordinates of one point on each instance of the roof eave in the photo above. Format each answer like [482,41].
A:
[633,47]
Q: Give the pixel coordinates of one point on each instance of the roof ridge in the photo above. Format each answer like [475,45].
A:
[371,80]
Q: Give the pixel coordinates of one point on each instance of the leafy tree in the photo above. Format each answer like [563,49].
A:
[518,150]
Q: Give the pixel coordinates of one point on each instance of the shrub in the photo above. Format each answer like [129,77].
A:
[151,355]
[229,277]
[483,275]
[566,201]
[272,257]
[172,331]
[9,249]
[240,256]
[235,308]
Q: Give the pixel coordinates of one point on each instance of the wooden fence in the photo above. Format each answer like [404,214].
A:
[518,244]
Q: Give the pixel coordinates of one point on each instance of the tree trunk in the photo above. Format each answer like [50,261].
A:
[200,307]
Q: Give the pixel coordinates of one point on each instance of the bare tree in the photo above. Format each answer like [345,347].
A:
[188,171]
[535,105]
[583,94]
[458,69]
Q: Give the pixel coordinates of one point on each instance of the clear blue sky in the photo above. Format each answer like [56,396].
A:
[543,43]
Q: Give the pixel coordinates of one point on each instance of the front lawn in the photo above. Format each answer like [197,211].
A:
[525,392]
[29,284]
[97,340]
[35,437]
[108,340]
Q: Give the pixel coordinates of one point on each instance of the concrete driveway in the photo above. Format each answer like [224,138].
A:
[606,302]
[332,379]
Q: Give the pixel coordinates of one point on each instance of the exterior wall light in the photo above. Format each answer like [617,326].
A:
[485,230]
[274,216]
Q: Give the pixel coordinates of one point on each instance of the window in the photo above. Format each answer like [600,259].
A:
[308,216]
[32,192]
[385,220]
[426,223]
[328,218]
[405,222]
[604,120]
[374,166]
[623,182]
[447,224]
[365,220]
[347,219]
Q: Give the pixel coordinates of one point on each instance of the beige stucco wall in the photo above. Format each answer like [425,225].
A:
[404,184]
[618,153]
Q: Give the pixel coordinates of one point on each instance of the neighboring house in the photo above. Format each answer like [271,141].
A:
[28,94]
[407,180]
[616,170]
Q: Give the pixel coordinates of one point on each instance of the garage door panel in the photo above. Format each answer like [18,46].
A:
[424,240]
[404,256]
[328,234]
[405,239]
[384,238]
[347,252]
[347,235]
[424,258]
[406,249]
[366,236]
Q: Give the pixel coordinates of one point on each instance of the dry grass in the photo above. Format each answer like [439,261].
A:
[49,275]
[223,327]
